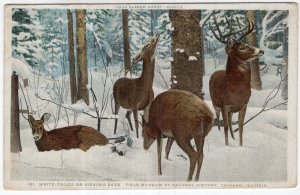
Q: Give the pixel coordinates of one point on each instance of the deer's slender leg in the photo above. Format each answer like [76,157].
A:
[159,149]
[230,125]
[242,114]
[186,146]
[218,117]
[225,120]
[128,116]
[117,107]
[135,115]
[199,140]
[168,146]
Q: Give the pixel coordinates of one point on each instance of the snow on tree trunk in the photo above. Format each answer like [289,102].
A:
[127,62]
[187,66]
[15,141]
[284,92]
[254,64]
[82,73]
[73,86]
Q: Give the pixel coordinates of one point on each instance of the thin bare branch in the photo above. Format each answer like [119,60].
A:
[49,101]
[267,100]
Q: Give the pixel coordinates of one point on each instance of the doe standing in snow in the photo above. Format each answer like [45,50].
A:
[137,94]
[230,89]
[78,136]
[182,116]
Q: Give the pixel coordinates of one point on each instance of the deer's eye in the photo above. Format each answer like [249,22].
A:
[242,49]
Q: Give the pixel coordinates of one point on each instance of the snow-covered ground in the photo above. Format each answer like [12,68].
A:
[263,157]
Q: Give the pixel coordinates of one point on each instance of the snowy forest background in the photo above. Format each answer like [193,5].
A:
[41,55]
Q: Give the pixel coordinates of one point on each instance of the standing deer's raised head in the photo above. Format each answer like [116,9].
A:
[37,126]
[242,52]
[147,50]
[234,47]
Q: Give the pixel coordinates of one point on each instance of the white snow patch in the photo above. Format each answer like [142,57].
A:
[192,58]
[180,50]
[90,27]
[93,108]
[23,35]
[111,116]
[21,68]
[89,86]
[79,107]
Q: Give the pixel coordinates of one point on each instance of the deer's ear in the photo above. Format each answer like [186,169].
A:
[31,119]
[46,117]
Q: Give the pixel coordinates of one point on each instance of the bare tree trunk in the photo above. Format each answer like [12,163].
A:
[82,70]
[127,61]
[15,140]
[73,85]
[187,65]
[284,92]
[254,66]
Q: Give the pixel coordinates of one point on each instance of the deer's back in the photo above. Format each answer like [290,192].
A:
[229,89]
[127,92]
[58,139]
[181,111]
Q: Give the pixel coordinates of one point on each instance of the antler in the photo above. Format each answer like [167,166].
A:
[223,38]
[220,38]
[250,29]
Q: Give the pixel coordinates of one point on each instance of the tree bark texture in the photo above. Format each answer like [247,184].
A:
[82,71]
[73,85]
[15,140]
[187,65]
[127,61]
[254,64]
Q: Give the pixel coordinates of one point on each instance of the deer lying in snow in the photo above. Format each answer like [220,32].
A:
[230,89]
[78,136]
[182,116]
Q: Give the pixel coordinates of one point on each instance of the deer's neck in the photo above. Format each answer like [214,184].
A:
[238,68]
[146,78]
[43,142]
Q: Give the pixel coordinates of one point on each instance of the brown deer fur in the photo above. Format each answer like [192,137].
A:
[230,89]
[181,116]
[78,136]
[137,94]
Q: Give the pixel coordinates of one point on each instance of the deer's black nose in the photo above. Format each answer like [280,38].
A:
[261,52]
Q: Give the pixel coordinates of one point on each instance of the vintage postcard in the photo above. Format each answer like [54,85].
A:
[150,96]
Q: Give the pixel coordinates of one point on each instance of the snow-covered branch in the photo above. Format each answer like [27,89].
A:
[206,18]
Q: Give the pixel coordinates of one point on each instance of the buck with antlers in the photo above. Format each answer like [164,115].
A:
[230,89]
[137,94]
